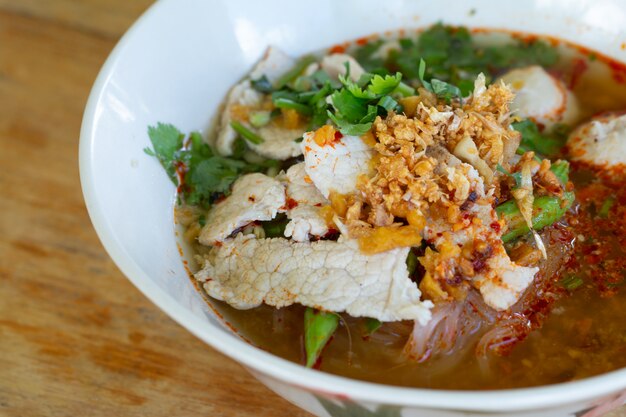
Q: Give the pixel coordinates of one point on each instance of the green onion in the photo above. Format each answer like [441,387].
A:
[302,84]
[571,282]
[606,207]
[290,75]
[202,220]
[404,90]
[260,118]
[387,103]
[246,133]
[285,103]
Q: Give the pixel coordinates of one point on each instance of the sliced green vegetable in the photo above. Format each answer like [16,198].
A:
[319,327]
[291,75]
[285,103]
[260,118]
[561,170]
[371,325]
[571,282]
[276,227]
[606,207]
[547,210]
[411,262]
[246,133]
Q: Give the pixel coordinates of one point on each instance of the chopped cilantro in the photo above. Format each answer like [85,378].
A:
[548,145]
[205,175]
[364,55]
[440,88]
[453,56]
[357,104]
[166,141]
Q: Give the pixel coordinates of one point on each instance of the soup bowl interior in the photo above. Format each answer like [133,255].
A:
[176,64]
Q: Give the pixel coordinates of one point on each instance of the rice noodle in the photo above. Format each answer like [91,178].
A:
[454,324]
[502,337]
[450,328]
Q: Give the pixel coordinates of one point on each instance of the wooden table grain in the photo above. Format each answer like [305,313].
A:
[76,338]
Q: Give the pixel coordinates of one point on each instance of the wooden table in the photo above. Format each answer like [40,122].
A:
[76,338]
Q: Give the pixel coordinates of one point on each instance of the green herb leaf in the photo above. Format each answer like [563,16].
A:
[380,86]
[533,140]
[319,327]
[363,55]
[214,175]
[453,56]
[350,108]
[206,175]
[348,128]
[444,90]
[440,88]
[166,141]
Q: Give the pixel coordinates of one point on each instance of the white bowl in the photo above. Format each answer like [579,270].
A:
[176,64]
